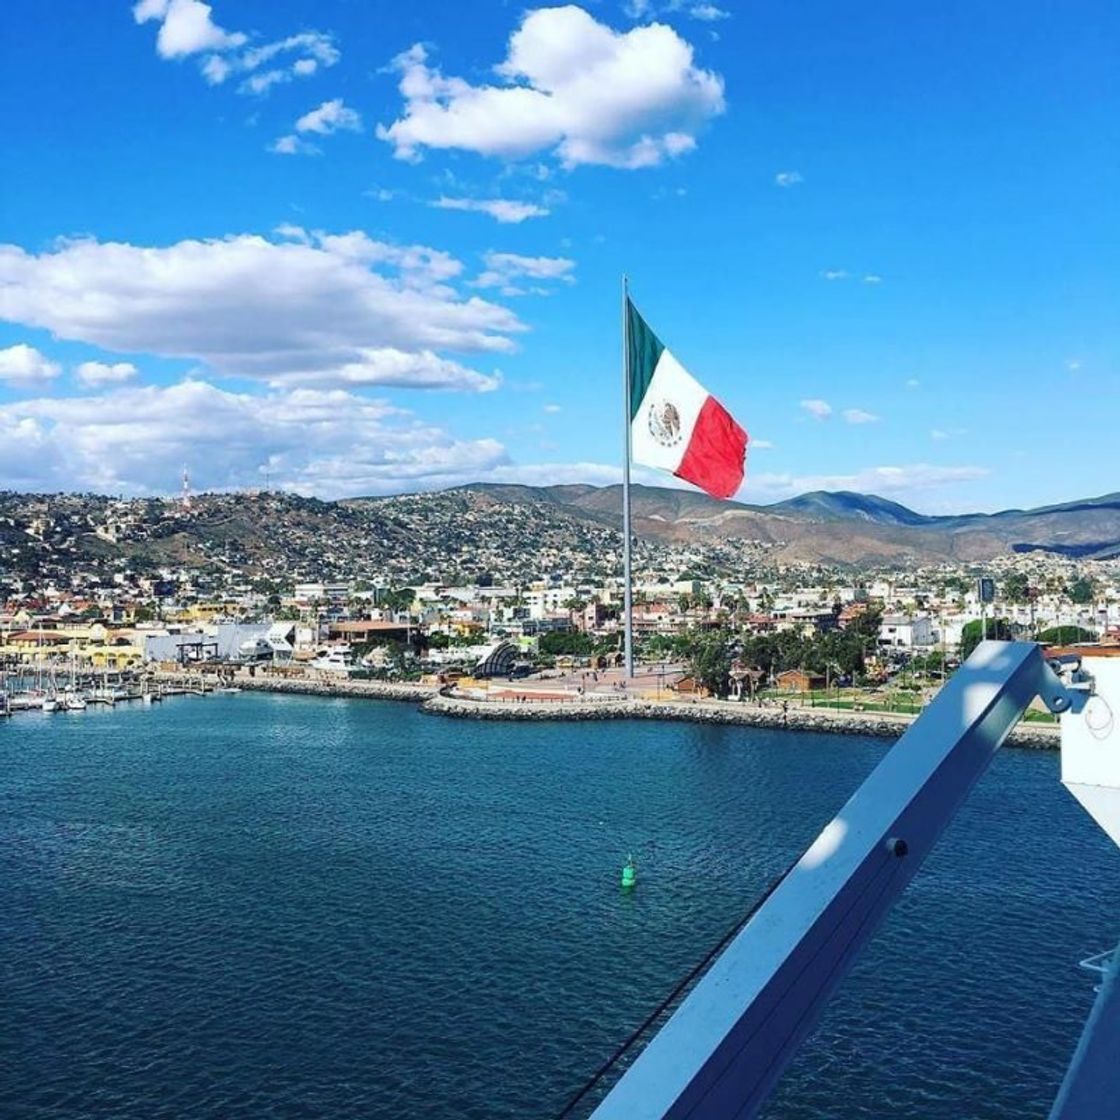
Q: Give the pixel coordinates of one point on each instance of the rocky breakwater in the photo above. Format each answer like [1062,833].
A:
[1044,737]
[317,686]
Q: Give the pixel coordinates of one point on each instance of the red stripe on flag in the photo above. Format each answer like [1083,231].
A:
[715,455]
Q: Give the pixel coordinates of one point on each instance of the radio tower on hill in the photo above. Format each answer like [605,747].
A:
[186,489]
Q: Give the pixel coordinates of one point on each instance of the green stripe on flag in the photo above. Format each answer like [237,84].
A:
[645,352]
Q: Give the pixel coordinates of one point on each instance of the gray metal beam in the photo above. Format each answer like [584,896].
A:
[724,1049]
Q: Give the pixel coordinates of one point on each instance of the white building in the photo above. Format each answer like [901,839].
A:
[906,632]
[322,592]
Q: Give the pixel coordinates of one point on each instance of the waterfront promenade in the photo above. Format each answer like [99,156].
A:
[538,702]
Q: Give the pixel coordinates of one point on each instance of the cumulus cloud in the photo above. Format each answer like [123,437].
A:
[573,87]
[324,442]
[503,210]
[859,416]
[503,270]
[104,373]
[331,116]
[818,409]
[325,309]
[187,27]
[22,365]
[788,178]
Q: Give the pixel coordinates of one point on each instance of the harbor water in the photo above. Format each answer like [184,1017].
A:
[274,906]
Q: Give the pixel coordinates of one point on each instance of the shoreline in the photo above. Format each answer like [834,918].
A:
[883,726]
[433,701]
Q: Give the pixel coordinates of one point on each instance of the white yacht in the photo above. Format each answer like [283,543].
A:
[335,659]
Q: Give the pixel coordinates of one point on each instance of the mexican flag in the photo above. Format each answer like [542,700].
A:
[676,425]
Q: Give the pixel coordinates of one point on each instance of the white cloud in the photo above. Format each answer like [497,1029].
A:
[788,178]
[503,210]
[940,434]
[1073,365]
[331,116]
[135,440]
[897,481]
[574,87]
[818,409]
[22,365]
[503,269]
[761,445]
[912,383]
[859,416]
[552,409]
[314,49]
[835,274]
[708,12]
[559,474]
[293,145]
[292,232]
[872,278]
[104,373]
[186,27]
[260,84]
[333,309]
[646,9]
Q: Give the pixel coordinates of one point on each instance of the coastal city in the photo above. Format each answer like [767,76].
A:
[508,608]
[559,561]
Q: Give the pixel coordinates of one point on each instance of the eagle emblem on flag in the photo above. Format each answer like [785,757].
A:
[665,423]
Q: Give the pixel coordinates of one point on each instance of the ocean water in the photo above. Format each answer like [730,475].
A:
[254,906]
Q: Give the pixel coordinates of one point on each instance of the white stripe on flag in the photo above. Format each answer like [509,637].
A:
[671,385]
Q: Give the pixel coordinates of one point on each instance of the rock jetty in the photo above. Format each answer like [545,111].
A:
[882,725]
[320,686]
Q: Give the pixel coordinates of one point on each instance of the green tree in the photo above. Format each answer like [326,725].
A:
[560,643]
[710,664]
[1016,588]
[1065,635]
[999,629]
[1082,590]
[398,600]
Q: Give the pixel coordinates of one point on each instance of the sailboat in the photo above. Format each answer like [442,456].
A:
[73,701]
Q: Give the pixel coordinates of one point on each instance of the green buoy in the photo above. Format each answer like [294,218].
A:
[629,873]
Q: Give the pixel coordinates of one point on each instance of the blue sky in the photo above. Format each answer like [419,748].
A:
[352,247]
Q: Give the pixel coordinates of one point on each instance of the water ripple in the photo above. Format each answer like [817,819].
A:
[280,907]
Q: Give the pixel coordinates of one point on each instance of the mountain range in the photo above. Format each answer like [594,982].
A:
[838,526]
[514,532]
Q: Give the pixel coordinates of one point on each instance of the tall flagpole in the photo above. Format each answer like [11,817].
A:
[627,594]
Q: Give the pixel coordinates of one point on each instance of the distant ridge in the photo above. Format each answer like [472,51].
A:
[848,504]
[509,527]
[840,526]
